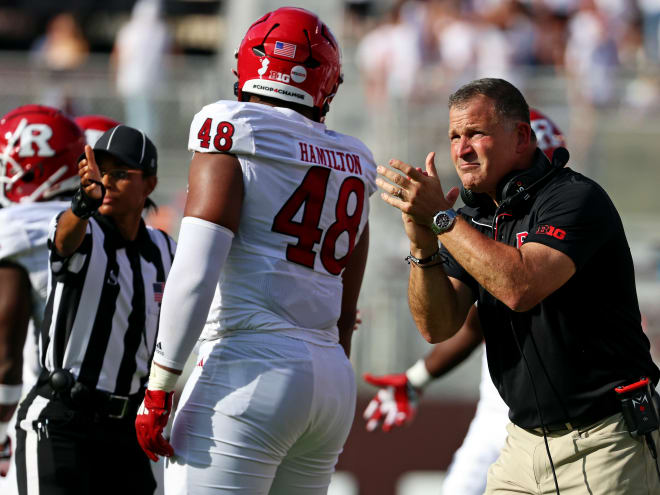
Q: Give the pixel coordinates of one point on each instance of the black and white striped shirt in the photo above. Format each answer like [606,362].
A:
[101,317]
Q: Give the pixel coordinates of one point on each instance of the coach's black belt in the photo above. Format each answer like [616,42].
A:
[581,422]
[80,397]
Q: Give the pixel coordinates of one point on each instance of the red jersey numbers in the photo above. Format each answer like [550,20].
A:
[345,223]
[221,135]
[311,195]
[551,231]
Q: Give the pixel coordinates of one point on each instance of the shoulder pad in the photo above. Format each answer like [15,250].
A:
[223,127]
[25,226]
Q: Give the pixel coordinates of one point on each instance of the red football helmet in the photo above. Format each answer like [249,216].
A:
[39,151]
[94,126]
[289,54]
[548,135]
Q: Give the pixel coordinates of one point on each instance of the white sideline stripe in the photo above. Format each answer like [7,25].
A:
[32,444]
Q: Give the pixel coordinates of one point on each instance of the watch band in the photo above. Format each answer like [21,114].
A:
[434,259]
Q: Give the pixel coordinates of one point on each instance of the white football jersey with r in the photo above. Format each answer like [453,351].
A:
[23,238]
[305,207]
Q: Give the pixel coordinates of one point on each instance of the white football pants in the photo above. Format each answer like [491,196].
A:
[263,414]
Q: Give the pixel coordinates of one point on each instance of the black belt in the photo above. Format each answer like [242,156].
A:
[580,422]
[76,395]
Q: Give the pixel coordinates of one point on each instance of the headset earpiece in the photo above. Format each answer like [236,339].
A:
[520,186]
[475,200]
[469,198]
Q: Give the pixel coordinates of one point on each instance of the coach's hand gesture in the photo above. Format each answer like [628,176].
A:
[418,194]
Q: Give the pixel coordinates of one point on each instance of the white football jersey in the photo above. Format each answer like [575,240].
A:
[23,238]
[305,207]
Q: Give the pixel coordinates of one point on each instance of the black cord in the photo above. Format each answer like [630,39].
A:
[538,407]
[654,452]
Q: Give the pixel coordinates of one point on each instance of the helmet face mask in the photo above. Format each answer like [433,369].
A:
[291,55]
[39,150]
[548,135]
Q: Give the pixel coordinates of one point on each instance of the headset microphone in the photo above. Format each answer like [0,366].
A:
[560,158]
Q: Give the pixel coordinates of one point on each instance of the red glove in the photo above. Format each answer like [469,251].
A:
[5,457]
[152,417]
[394,404]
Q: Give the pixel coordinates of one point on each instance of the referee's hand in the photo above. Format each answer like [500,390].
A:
[90,175]
[151,419]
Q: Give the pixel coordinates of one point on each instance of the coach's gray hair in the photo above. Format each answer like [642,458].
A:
[508,100]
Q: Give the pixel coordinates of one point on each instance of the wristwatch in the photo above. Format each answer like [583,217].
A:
[443,221]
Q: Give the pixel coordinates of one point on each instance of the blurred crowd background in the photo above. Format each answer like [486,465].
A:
[593,66]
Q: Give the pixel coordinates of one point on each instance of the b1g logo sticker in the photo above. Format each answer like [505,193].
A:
[278,76]
[298,74]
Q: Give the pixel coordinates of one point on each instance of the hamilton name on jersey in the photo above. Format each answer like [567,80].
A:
[339,160]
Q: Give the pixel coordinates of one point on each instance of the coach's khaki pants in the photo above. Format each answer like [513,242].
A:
[600,460]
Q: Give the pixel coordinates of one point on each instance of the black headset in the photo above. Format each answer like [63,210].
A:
[519,186]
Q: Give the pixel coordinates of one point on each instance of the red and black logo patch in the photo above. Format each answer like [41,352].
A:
[551,231]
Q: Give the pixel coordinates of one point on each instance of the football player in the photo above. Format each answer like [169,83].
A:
[39,150]
[94,126]
[275,224]
[395,403]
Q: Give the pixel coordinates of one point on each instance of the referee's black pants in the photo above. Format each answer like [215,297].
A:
[64,451]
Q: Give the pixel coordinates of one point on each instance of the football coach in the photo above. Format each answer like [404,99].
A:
[543,250]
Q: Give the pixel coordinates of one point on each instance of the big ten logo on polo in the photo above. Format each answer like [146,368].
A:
[298,74]
[551,231]
[278,76]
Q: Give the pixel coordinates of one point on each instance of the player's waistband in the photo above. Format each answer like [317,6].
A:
[324,338]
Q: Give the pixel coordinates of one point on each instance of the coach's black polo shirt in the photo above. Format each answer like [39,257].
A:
[584,339]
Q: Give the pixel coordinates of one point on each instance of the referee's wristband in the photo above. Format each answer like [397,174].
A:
[82,205]
[434,259]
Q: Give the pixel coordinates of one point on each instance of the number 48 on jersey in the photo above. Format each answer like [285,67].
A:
[311,194]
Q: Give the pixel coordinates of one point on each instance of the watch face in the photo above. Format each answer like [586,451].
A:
[443,221]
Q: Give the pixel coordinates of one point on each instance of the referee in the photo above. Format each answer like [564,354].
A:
[75,430]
